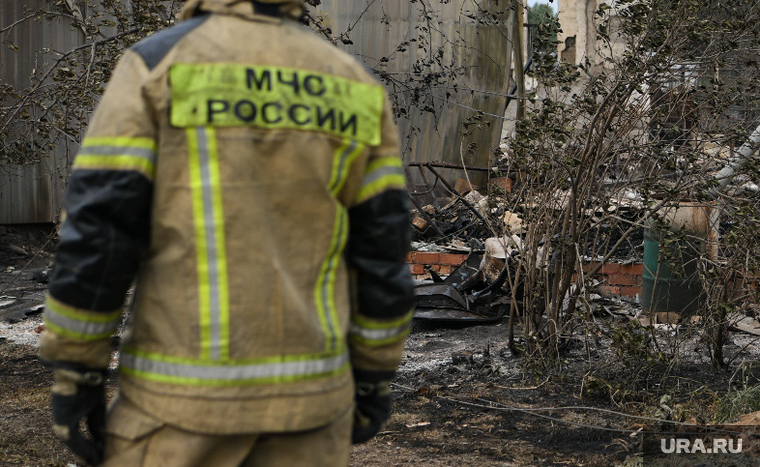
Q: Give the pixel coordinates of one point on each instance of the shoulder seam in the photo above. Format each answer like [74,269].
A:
[154,48]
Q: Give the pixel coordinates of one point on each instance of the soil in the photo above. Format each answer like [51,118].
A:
[461,398]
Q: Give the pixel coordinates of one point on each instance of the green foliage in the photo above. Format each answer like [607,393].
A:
[633,345]
[544,26]
[737,403]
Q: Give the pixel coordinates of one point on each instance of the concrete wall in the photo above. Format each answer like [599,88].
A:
[577,40]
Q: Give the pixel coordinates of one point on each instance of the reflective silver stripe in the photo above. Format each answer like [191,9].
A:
[381,172]
[85,328]
[215,344]
[379,334]
[142,153]
[234,372]
[344,157]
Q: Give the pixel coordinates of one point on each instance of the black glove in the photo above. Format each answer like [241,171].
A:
[373,403]
[79,394]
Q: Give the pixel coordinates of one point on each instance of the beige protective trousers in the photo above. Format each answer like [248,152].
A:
[136,439]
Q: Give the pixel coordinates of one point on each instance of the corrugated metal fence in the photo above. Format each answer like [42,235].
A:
[448,65]
[32,193]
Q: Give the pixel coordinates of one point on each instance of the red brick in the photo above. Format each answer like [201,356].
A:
[588,267]
[628,291]
[417,269]
[427,257]
[610,268]
[632,269]
[452,258]
[625,279]
[505,183]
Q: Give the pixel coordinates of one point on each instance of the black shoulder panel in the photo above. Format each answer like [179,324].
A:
[155,47]
[380,234]
[107,229]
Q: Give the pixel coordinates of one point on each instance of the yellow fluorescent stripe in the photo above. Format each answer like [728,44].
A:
[381,174]
[209,222]
[337,160]
[278,368]
[333,310]
[221,250]
[159,378]
[126,141]
[381,184]
[324,293]
[265,360]
[92,161]
[319,289]
[343,159]
[379,342]
[325,287]
[75,335]
[383,162]
[370,323]
[196,184]
[81,314]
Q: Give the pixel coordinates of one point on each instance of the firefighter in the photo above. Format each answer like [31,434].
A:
[245,176]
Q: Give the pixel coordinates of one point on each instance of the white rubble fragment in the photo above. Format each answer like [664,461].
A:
[22,332]
[473,197]
[514,223]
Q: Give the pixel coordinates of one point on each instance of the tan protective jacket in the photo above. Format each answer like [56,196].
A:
[246,173]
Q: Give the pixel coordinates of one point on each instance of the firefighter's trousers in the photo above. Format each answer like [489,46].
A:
[136,439]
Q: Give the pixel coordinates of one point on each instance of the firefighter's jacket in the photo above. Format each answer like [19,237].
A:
[245,174]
